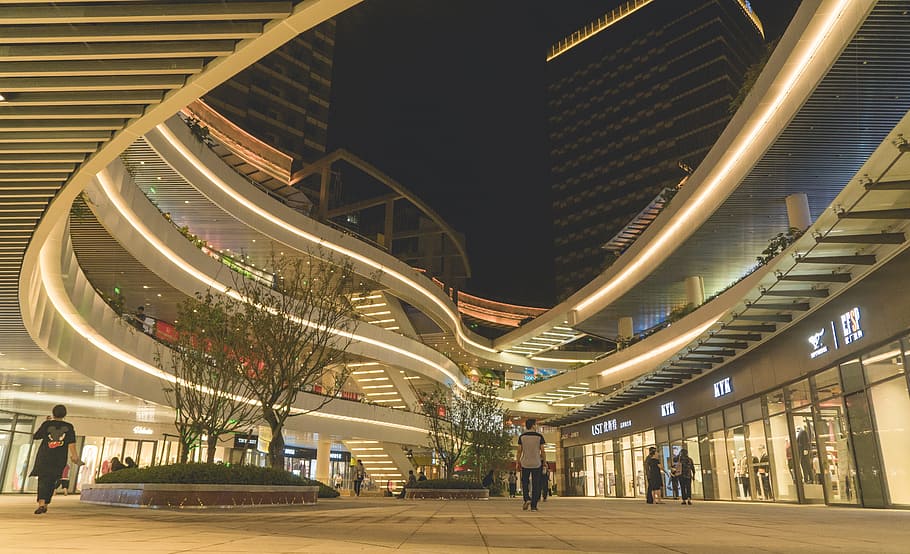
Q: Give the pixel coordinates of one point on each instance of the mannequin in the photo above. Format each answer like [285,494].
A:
[764,473]
[805,461]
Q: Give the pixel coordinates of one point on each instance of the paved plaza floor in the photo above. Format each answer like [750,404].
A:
[450,527]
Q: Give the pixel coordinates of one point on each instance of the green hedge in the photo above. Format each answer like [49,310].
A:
[214,474]
[447,484]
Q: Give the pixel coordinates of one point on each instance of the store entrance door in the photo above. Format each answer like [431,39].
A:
[142,452]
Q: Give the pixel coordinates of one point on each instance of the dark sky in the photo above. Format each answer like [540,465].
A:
[447,97]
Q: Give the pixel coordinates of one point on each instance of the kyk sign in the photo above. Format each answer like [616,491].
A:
[844,331]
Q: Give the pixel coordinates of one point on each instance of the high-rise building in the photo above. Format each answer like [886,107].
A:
[284,98]
[635,98]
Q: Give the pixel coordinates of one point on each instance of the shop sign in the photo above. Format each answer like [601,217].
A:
[339,456]
[603,427]
[625,424]
[668,408]
[246,441]
[723,387]
[850,332]
[140,430]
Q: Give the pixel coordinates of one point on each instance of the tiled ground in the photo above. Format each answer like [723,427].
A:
[450,527]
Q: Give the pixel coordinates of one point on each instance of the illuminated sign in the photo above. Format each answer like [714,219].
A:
[139,430]
[850,326]
[668,409]
[625,424]
[723,387]
[850,332]
[604,427]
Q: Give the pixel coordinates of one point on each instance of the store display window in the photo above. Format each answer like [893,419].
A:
[883,363]
[891,406]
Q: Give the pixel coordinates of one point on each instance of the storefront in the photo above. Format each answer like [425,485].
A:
[817,414]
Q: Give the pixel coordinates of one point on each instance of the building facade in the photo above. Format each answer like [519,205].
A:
[634,100]
[815,415]
[284,98]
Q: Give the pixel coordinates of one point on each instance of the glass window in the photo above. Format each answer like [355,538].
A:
[739,463]
[836,454]
[676,432]
[883,363]
[827,384]
[759,460]
[715,421]
[719,466]
[25,424]
[691,445]
[891,405]
[806,454]
[648,437]
[852,376]
[798,394]
[637,440]
[775,402]
[589,449]
[733,416]
[752,410]
[868,463]
[6,421]
[661,435]
[782,473]
[628,473]
[591,475]
[19,463]
[690,429]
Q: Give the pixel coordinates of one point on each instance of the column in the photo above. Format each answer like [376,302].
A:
[626,329]
[695,290]
[322,462]
[798,211]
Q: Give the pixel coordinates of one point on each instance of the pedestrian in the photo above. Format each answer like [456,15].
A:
[544,480]
[412,480]
[655,474]
[513,484]
[360,474]
[116,464]
[130,463]
[487,480]
[58,441]
[674,476]
[421,476]
[686,469]
[530,453]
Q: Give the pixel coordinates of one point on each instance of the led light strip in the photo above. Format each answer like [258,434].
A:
[672,345]
[242,201]
[704,192]
[56,293]
[130,217]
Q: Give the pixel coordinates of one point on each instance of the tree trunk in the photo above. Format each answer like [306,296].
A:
[212,443]
[276,446]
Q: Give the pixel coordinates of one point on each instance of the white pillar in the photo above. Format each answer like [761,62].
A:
[322,461]
[626,329]
[695,290]
[798,211]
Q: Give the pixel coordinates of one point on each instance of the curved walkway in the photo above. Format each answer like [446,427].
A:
[499,525]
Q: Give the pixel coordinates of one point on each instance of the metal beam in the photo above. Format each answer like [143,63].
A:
[797,293]
[85,68]
[757,328]
[736,345]
[793,306]
[118,82]
[893,213]
[870,238]
[703,358]
[691,365]
[856,259]
[120,32]
[362,205]
[782,318]
[119,111]
[889,185]
[118,50]
[85,98]
[68,15]
[818,277]
[713,350]
[739,336]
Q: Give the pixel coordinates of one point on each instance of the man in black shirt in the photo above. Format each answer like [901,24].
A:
[58,438]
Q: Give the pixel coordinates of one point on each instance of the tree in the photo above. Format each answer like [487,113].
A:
[295,335]
[211,396]
[467,425]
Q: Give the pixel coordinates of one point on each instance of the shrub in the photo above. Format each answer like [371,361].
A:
[447,484]
[214,474]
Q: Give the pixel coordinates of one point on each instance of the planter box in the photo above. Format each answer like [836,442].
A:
[448,494]
[161,495]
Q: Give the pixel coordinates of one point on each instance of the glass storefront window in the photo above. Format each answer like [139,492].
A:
[628,474]
[806,456]
[775,402]
[738,459]
[719,466]
[782,471]
[798,394]
[19,463]
[691,444]
[760,461]
[827,384]
[836,455]
[852,376]
[752,410]
[891,406]
[597,476]
[883,363]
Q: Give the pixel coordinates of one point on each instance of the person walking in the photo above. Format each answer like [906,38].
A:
[513,484]
[685,467]
[360,474]
[530,454]
[674,476]
[58,441]
[544,480]
[655,475]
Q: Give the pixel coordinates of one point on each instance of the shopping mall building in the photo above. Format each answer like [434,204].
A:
[785,381]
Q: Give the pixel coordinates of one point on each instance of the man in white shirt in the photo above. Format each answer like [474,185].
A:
[530,454]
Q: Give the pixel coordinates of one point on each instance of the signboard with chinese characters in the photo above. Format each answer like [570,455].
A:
[846,330]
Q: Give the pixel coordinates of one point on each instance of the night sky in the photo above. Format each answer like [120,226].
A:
[447,97]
